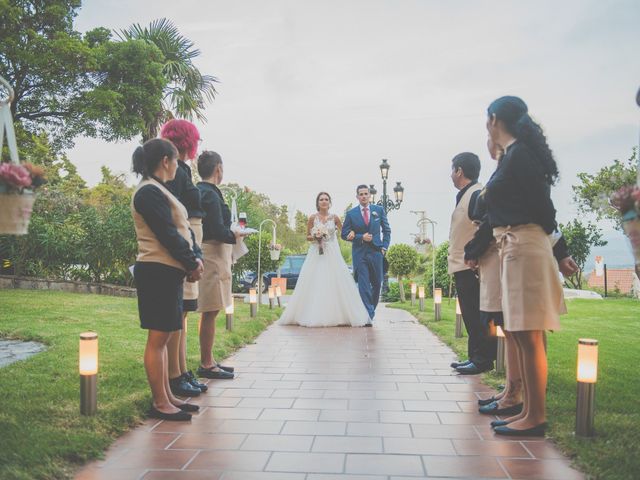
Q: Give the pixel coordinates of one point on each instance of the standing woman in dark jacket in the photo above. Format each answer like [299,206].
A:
[185,136]
[522,216]
[215,291]
[166,254]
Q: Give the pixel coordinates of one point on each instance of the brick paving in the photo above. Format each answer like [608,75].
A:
[337,403]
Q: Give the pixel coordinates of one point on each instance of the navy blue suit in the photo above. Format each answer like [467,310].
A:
[367,256]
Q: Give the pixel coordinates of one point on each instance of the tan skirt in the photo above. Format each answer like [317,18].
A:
[489,270]
[190,291]
[532,296]
[215,285]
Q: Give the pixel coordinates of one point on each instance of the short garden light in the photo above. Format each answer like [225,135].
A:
[279,295]
[253,300]
[229,312]
[421,297]
[500,350]
[413,293]
[272,295]
[437,303]
[88,366]
[458,319]
[587,377]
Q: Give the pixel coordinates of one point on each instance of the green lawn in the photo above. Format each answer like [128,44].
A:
[42,434]
[615,452]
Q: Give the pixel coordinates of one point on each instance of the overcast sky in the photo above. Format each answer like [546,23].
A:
[314,94]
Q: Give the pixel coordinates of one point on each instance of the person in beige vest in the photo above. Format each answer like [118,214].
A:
[185,136]
[167,253]
[465,170]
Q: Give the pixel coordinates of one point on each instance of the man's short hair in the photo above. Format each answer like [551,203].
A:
[207,163]
[469,163]
[361,186]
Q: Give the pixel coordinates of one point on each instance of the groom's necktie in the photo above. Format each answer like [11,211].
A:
[365,214]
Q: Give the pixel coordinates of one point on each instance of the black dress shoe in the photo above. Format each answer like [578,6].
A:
[182,388]
[494,409]
[225,368]
[487,401]
[172,417]
[368,324]
[473,369]
[537,431]
[460,364]
[191,378]
[214,374]
[188,407]
[499,423]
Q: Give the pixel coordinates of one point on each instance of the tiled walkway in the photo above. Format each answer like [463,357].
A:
[338,403]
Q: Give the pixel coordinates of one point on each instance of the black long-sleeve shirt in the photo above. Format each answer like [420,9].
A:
[184,190]
[481,240]
[217,219]
[518,192]
[152,204]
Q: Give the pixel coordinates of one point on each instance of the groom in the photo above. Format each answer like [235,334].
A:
[366,226]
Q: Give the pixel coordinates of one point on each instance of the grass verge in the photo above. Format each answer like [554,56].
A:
[615,451]
[42,434]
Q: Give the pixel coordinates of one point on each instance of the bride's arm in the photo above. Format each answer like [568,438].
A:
[338,222]
[309,227]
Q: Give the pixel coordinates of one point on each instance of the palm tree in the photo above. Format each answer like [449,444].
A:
[187,90]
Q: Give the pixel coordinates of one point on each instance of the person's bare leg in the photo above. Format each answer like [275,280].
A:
[512,393]
[518,358]
[173,350]
[154,355]
[207,338]
[172,398]
[183,345]
[534,374]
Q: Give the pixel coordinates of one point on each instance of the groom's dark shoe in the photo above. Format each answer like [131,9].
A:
[460,364]
[473,369]
[368,324]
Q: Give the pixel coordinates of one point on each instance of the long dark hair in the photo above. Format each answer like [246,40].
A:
[514,114]
[145,159]
[318,199]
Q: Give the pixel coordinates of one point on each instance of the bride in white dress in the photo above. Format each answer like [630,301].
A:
[326,294]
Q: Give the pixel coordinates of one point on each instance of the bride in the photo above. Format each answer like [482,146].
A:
[325,294]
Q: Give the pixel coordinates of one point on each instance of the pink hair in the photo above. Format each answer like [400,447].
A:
[183,134]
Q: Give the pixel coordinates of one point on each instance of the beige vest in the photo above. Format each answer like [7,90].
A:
[149,247]
[461,231]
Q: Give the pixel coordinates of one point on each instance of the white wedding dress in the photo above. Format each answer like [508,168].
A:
[326,294]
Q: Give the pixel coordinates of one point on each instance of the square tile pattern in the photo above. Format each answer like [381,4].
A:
[331,403]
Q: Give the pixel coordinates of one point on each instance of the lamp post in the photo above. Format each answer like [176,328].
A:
[229,314]
[88,367]
[437,303]
[387,203]
[587,376]
[458,319]
[500,352]
[273,238]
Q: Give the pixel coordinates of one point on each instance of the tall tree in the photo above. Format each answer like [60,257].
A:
[592,194]
[580,238]
[188,90]
[70,85]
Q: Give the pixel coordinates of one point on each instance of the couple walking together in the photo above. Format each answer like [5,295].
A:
[326,295]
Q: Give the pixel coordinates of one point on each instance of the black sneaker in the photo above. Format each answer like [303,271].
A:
[191,378]
[182,388]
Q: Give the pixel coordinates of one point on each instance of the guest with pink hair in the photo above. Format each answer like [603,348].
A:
[185,136]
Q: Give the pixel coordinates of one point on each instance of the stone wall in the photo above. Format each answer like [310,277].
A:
[30,283]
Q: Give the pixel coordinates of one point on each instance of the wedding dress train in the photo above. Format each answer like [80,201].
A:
[326,294]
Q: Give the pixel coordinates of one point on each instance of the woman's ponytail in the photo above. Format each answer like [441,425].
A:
[137,161]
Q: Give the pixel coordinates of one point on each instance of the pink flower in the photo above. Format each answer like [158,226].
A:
[15,175]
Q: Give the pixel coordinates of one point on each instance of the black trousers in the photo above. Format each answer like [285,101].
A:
[481,347]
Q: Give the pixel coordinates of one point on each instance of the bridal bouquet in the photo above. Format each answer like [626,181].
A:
[320,233]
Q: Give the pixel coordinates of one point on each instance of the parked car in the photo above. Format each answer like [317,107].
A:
[290,269]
